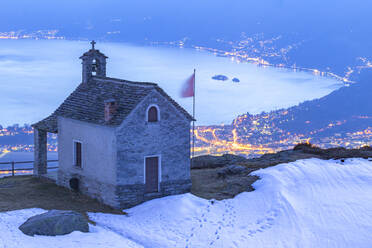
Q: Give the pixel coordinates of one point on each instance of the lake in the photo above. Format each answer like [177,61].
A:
[23,156]
[37,75]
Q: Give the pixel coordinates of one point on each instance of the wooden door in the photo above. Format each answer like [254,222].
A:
[152,174]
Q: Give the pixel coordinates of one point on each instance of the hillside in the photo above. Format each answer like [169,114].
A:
[352,106]
[308,203]
[342,118]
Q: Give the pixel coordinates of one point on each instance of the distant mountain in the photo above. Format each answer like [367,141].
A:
[21,139]
[351,106]
[327,35]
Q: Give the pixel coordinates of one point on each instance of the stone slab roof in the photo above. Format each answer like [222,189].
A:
[86,103]
[93,52]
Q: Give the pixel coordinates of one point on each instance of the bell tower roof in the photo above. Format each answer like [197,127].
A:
[94,63]
[93,51]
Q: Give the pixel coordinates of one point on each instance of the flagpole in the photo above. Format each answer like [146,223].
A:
[193,121]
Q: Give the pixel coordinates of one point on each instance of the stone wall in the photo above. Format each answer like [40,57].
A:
[175,187]
[88,65]
[169,138]
[40,152]
[103,192]
[131,195]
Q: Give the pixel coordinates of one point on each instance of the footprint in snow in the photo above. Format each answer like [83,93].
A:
[263,224]
[200,225]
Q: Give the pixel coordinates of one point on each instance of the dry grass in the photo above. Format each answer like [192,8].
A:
[207,184]
[23,192]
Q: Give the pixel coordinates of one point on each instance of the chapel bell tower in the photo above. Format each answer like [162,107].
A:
[94,63]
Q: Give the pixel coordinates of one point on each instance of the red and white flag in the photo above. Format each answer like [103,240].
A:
[188,87]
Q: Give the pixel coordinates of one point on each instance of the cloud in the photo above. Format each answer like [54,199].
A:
[36,76]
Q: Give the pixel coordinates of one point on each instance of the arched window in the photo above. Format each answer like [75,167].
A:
[152,114]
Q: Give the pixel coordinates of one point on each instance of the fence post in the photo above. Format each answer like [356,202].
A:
[13,169]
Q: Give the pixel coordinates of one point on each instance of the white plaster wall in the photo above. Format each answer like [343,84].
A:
[98,149]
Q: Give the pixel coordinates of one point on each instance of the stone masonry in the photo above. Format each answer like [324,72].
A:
[40,141]
[137,138]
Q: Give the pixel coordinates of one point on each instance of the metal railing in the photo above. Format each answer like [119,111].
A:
[13,170]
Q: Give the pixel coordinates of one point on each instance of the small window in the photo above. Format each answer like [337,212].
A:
[152,114]
[77,154]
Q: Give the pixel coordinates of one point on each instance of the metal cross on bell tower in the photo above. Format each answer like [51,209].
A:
[93,43]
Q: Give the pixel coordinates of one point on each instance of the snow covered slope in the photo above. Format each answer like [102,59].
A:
[308,203]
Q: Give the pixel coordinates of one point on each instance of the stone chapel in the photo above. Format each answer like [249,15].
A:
[120,142]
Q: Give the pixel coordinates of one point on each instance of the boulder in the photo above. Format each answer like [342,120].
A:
[55,222]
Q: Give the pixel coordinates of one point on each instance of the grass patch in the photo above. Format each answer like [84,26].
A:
[22,192]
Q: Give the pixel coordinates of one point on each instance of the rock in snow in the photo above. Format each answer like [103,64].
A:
[55,222]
